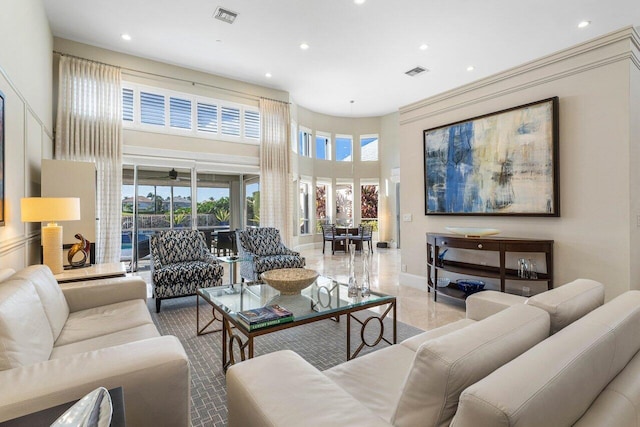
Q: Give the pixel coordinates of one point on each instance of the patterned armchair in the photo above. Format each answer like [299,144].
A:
[263,250]
[181,263]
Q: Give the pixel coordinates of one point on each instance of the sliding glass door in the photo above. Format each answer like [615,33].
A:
[162,198]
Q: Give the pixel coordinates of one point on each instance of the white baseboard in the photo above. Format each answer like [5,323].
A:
[413,280]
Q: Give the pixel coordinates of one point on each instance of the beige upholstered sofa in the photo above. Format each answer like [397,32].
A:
[56,345]
[416,382]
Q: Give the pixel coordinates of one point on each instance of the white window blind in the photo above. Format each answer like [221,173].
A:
[252,124]
[179,113]
[127,105]
[151,108]
[207,117]
[230,121]
[174,112]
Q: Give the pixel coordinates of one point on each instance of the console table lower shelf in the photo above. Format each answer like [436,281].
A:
[325,299]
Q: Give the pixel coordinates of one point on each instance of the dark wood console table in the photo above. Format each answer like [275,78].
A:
[437,243]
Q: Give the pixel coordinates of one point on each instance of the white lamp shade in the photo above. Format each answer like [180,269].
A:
[50,209]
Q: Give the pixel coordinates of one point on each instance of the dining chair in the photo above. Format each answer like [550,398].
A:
[365,233]
[329,235]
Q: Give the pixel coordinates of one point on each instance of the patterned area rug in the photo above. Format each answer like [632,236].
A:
[322,343]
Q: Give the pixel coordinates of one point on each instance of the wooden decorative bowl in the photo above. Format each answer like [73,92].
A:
[289,281]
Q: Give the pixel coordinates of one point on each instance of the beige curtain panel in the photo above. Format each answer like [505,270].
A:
[275,174]
[89,128]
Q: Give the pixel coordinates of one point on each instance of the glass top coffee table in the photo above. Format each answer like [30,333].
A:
[324,299]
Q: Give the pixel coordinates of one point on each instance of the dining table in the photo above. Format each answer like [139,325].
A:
[341,245]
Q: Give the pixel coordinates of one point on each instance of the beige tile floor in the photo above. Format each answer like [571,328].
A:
[415,306]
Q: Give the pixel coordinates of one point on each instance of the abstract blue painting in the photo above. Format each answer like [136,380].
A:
[503,163]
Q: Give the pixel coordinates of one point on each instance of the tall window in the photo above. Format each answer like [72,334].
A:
[344,148]
[304,206]
[323,147]
[252,200]
[369,148]
[213,202]
[322,209]
[344,205]
[304,143]
[369,204]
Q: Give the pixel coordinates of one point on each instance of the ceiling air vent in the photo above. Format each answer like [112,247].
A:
[415,71]
[225,15]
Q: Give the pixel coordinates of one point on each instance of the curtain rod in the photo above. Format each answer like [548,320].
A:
[84,59]
[193,83]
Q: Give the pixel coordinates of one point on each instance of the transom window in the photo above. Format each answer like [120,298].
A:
[304,141]
[369,148]
[323,146]
[167,111]
[344,148]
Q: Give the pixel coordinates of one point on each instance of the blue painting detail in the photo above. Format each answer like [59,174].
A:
[459,166]
[449,167]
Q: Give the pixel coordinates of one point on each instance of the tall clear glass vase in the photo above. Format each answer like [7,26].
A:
[366,284]
[353,283]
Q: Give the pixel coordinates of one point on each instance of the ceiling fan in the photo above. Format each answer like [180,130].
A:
[172,175]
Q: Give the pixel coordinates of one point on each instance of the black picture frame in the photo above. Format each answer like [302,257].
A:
[504,163]
[2,173]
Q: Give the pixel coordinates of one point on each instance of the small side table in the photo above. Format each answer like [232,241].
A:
[94,272]
[232,261]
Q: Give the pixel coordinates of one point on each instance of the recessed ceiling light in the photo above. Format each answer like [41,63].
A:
[424,46]
[126,37]
[583,24]
[267,75]
[304,46]
[359,1]
[470,68]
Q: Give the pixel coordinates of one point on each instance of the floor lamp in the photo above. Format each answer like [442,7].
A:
[50,210]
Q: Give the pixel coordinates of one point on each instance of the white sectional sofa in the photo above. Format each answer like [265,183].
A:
[416,382]
[57,344]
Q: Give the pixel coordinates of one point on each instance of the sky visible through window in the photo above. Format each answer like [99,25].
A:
[343,148]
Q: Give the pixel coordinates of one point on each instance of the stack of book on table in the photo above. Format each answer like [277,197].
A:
[264,316]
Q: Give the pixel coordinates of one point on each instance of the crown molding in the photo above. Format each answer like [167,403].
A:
[605,50]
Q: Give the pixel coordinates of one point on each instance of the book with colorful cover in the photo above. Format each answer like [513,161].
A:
[264,316]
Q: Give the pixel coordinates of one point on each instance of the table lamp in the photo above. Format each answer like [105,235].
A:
[51,209]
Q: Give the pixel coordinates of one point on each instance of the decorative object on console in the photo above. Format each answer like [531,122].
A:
[503,163]
[83,247]
[443,282]
[473,231]
[469,286]
[289,281]
[51,209]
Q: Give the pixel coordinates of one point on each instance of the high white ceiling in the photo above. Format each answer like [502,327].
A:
[357,52]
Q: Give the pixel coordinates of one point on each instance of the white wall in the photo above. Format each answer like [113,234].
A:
[25,80]
[597,235]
